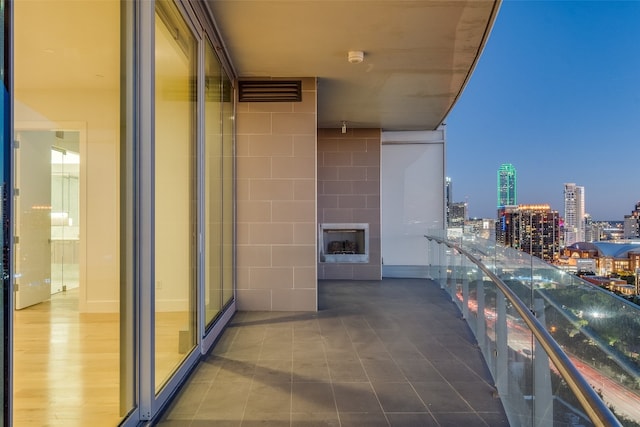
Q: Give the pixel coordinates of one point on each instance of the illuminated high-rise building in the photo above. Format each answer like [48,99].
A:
[534,229]
[457,214]
[507,185]
[574,214]
[591,233]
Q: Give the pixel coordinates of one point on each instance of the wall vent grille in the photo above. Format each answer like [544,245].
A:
[270,91]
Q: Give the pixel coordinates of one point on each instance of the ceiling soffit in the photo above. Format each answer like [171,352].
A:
[418,55]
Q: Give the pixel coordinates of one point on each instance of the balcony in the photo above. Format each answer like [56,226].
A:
[538,347]
[377,353]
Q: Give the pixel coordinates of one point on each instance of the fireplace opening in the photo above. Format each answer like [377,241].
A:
[346,243]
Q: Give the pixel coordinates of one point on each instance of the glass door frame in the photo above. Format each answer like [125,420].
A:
[6,209]
[209,36]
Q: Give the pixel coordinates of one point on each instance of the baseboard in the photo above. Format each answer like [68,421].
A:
[406,271]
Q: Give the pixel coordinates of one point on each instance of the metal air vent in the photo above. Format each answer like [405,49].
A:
[270,91]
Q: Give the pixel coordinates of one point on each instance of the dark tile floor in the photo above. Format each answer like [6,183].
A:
[389,353]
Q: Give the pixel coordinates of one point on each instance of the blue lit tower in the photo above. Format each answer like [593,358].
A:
[507,185]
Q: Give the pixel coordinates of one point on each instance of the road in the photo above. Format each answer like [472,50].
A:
[624,401]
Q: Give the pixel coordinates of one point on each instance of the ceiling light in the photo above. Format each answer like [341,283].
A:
[356,56]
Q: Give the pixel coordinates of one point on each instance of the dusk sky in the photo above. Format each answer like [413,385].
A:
[556,93]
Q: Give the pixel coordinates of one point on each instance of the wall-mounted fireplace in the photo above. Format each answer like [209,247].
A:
[344,242]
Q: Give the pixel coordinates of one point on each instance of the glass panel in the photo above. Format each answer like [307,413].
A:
[228,176]
[213,185]
[175,113]
[5,155]
[67,174]
[65,218]
[591,329]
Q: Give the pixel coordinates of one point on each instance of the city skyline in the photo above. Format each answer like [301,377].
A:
[555,94]
[451,199]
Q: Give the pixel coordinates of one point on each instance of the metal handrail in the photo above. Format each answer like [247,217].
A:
[595,408]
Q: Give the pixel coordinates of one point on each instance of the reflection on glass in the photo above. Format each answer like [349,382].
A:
[175,106]
[227,190]
[213,185]
[67,121]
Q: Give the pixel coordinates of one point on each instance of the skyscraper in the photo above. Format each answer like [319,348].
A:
[507,185]
[632,223]
[574,214]
[534,229]
[457,214]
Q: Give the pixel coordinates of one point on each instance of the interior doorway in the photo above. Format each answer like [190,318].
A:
[65,215]
[47,207]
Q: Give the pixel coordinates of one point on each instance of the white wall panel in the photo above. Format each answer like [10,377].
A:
[412,195]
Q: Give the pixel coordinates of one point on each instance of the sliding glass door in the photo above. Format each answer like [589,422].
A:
[218,187]
[213,184]
[175,190]
[117,237]
[68,347]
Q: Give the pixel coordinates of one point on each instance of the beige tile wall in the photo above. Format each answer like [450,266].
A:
[349,191]
[276,193]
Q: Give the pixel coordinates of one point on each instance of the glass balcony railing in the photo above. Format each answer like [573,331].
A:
[562,351]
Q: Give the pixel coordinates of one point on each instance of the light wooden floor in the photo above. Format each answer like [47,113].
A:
[66,363]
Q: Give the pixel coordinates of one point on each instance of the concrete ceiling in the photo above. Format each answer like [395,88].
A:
[419,54]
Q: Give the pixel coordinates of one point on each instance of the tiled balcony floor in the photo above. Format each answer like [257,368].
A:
[388,353]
